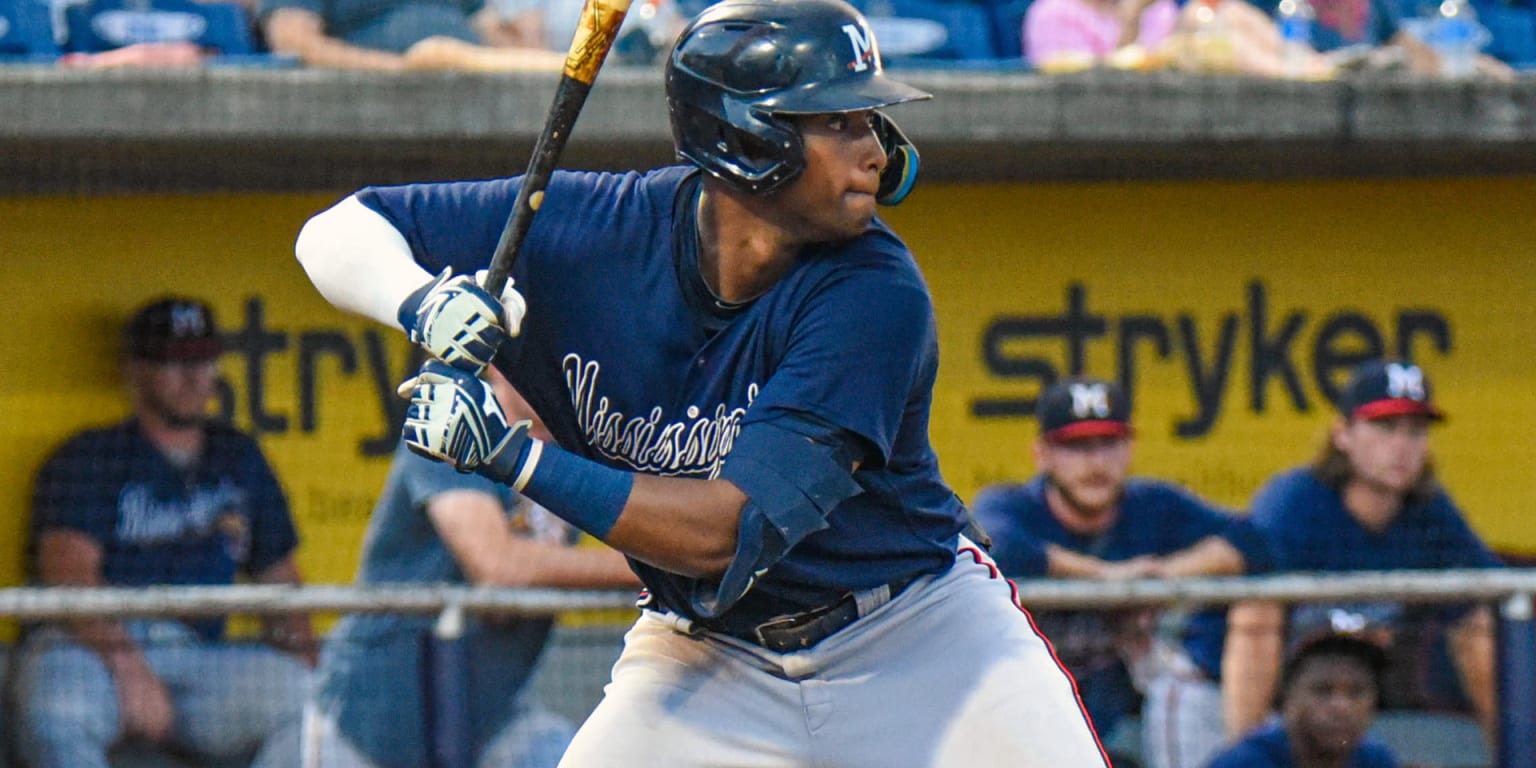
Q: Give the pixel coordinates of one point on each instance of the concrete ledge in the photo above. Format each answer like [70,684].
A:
[227,128]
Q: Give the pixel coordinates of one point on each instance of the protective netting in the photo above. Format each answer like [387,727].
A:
[1221,232]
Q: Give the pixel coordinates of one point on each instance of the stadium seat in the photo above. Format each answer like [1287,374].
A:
[1008,27]
[967,26]
[25,30]
[1514,33]
[102,25]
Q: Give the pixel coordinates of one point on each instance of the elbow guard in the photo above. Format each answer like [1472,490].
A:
[794,470]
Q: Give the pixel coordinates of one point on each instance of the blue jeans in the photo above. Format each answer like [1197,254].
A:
[230,699]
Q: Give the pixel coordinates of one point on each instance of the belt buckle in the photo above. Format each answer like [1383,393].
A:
[794,629]
[781,623]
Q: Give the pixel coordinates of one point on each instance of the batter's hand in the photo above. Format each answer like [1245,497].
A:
[455,418]
[459,322]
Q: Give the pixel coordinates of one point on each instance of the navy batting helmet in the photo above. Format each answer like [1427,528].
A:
[741,66]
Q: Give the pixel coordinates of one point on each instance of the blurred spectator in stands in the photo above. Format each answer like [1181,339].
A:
[1081,516]
[1370,502]
[1077,34]
[1374,35]
[166,497]
[1328,697]
[435,525]
[153,33]
[404,34]
[1206,35]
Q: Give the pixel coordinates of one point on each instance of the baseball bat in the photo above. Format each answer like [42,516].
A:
[595,33]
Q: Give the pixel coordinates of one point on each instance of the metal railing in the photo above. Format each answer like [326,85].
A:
[1513,590]
[37,603]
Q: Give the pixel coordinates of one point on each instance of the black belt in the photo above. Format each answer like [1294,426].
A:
[799,631]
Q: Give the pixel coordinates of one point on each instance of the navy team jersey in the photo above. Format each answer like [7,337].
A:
[631,362]
[1155,518]
[1312,531]
[159,524]
[1269,747]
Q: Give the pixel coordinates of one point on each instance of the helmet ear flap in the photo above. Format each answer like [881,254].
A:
[756,153]
[901,161]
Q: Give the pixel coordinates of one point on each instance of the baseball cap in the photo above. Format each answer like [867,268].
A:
[1339,631]
[1081,407]
[1380,389]
[172,329]
[1361,645]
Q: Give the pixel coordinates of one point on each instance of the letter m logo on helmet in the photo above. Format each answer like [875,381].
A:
[743,68]
[863,46]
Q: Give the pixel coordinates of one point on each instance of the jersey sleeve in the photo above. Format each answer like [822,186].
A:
[455,224]
[1018,553]
[1454,542]
[1269,512]
[273,536]
[66,494]
[861,346]
[1201,520]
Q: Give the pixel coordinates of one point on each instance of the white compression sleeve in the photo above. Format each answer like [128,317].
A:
[359,261]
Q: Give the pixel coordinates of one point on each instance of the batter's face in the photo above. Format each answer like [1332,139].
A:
[1330,705]
[1388,454]
[834,197]
[176,393]
[1088,473]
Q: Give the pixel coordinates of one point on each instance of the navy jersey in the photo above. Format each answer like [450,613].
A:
[366,654]
[1269,747]
[1155,518]
[158,523]
[630,362]
[1312,531]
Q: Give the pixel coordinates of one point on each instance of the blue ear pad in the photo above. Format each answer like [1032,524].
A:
[901,162]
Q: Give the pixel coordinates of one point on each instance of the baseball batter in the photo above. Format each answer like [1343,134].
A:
[736,358]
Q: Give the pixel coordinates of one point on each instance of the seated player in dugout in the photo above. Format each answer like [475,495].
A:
[1083,516]
[168,496]
[1370,501]
[736,357]
[433,525]
[1327,701]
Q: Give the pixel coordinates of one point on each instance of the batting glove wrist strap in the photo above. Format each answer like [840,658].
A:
[454,418]
[459,322]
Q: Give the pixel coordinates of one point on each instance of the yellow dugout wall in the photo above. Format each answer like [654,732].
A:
[1230,308]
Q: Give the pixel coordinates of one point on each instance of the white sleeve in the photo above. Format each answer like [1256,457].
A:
[359,261]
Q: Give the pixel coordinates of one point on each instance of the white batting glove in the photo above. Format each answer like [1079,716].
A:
[460,323]
[455,418]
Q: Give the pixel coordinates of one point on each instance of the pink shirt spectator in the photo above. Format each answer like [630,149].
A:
[1054,28]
